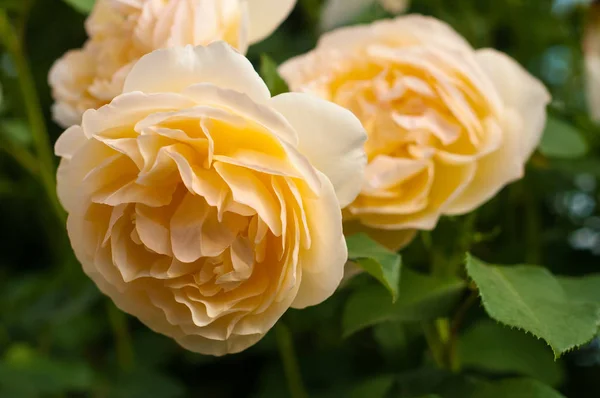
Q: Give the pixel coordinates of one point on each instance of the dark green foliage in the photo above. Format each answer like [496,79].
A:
[60,337]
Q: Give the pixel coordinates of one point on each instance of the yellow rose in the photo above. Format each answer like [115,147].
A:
[205,207]
[448,126]
[121,31]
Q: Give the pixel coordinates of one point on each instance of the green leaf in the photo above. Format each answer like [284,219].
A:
[517,388]
[562,140]
[376,387]
[398,341]
[421,298]
[391,336]
[429,382]
[585,288]
[532,299]
[378,261]
[83,6]
[494,348]
[13,5]
[268,71]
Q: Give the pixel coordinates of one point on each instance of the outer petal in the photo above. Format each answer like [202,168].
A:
[592,85]
[174,69]
[322,264]
[331,137]
[232,345]
[266,15]
[494,171]
[401,31]
[519,91]
[69,142]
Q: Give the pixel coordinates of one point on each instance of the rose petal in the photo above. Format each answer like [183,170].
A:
[332,139]
[265,16]
[323,263]
[174,69]
[519,91]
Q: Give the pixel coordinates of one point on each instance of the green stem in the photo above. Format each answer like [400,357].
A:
[532,228]
[436,346]
[290,363]
[436,258]
[11,40]
[22,157]
[457,322]
[118,324]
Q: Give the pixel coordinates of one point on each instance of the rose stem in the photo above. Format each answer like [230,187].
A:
[118,324]
[13,44]
[290,363]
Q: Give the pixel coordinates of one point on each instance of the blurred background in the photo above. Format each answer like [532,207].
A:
[59,337]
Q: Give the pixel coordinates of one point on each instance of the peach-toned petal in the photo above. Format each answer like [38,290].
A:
[265,16]
[323,264]
[332,140]
[520,92]
[69,142]
[495,170]
[174,69]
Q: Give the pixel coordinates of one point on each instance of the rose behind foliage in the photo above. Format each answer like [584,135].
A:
[121,31]
[448,126]
[205,207]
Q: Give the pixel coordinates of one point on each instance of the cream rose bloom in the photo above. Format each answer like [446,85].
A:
[205,207]
[448,126]
[121,31]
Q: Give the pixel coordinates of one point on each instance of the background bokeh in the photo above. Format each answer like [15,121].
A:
[59,337]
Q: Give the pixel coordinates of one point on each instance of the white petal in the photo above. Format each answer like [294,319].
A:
[266,15]
[332,139]
[322,264]
[519,91]
[174,69]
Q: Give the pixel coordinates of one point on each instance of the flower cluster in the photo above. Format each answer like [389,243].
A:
[206,207]
[121,31]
